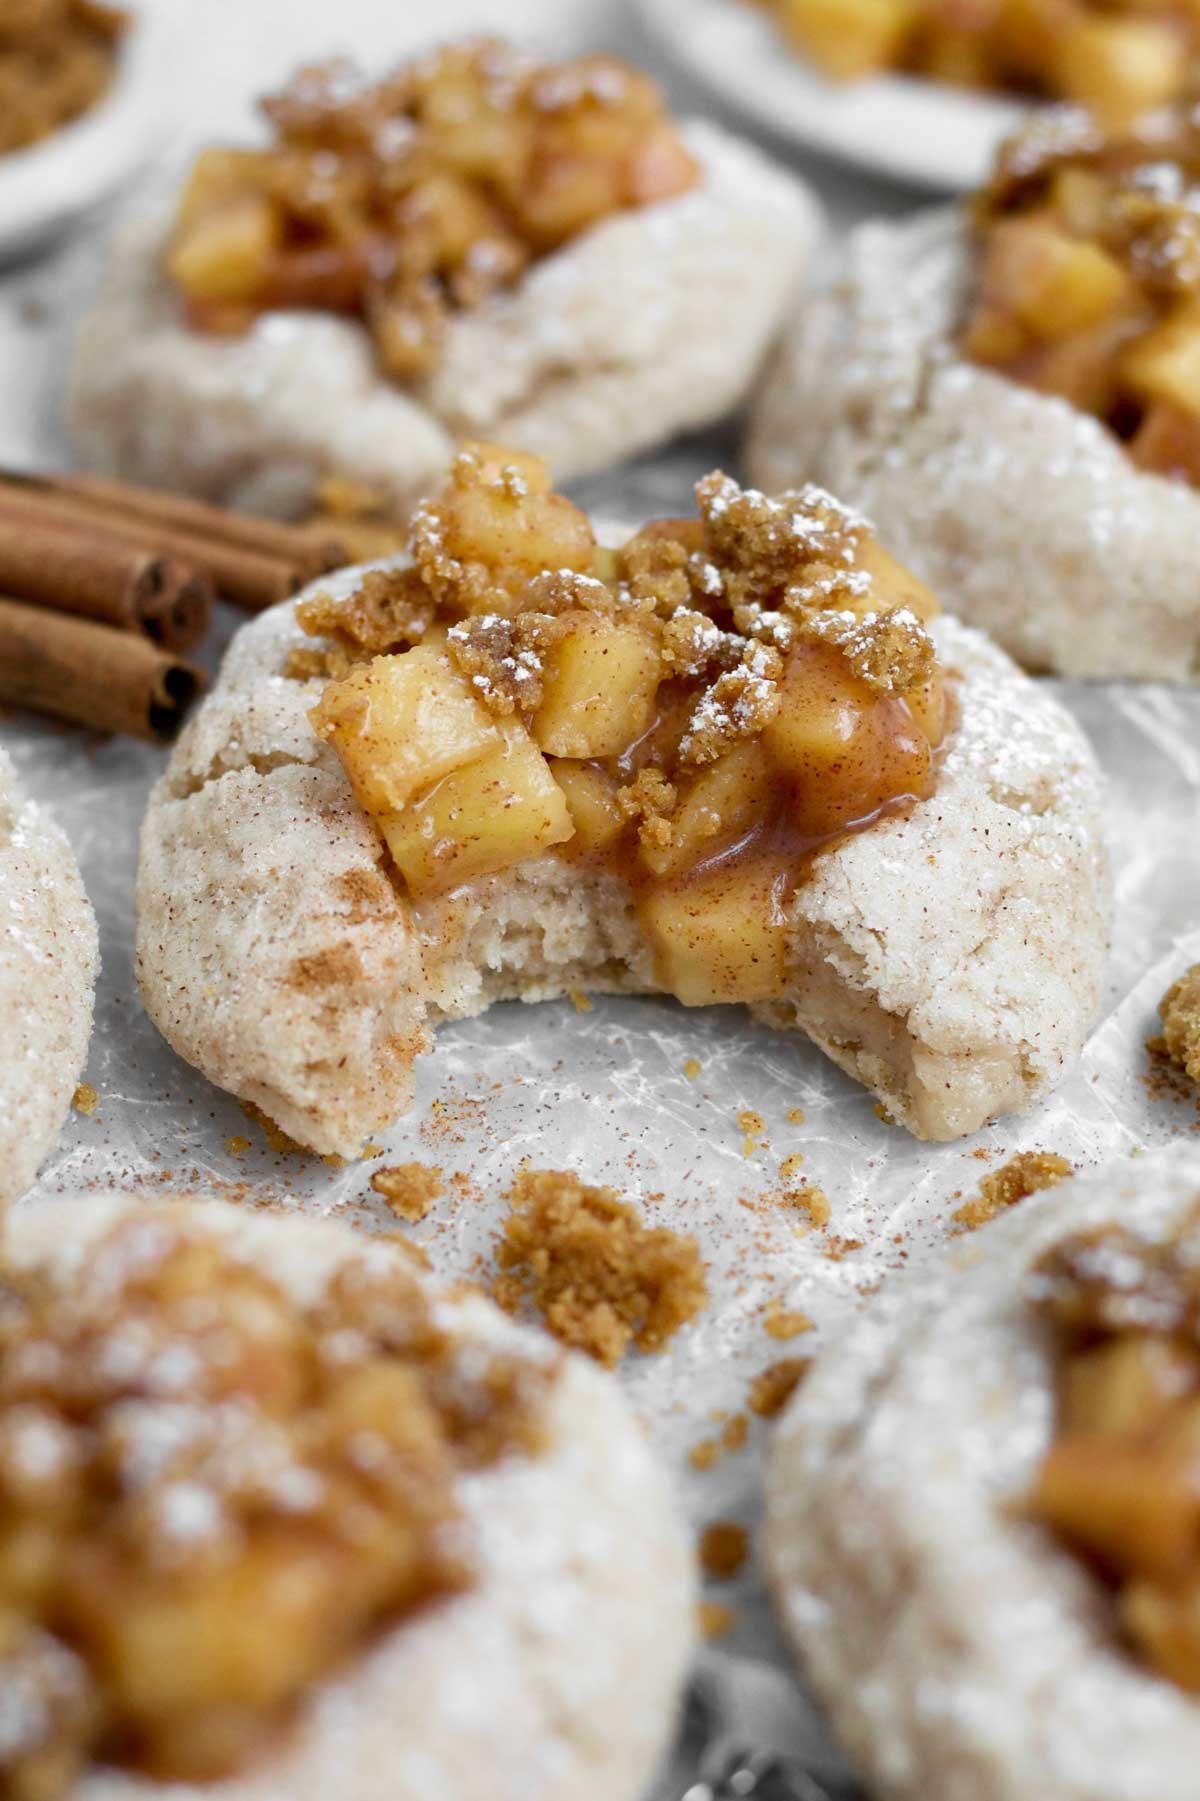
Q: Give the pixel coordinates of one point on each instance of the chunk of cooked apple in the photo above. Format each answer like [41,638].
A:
[401,723]
[480,818]
[598,686]
[721,936]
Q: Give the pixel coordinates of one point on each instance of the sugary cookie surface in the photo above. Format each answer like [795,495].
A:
[698,712]
[211,1495]
[56,60]
[406,200]
[1119,1482]
[1115,59]
[1089,277]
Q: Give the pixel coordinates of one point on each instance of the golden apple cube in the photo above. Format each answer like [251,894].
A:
[1164,364]
[481,818]
[722,937]
[849,38]
[591,796]
[224,256]
[401,723]
[1118,68]
[1052,284]
[598,688]
[892,584]
[722,804]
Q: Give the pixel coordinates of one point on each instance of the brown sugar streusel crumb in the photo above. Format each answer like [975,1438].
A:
[85,1099]
[1014,1181]
[192,1458]
[599,1277]
[409,1189]
[783,1322]
[723,1548]
[1179,1010]
[773,1388]
[714,1618]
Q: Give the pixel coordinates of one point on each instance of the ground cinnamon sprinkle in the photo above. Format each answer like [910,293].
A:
[773,1388]
[599,1277]
[1012,1182]
[1179,1010]
[723,1547]
[409,1189]
[85,1099]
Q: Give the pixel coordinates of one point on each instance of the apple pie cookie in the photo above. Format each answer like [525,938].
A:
[48,963]
[738,757]
[285,1518]
[1014,395]
[481,244]
[983,1521]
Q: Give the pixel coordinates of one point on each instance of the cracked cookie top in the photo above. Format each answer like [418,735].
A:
[699,712]
[406,200]
[1088,284]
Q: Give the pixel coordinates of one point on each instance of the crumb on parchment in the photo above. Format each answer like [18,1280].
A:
[409,1189]
[600,1278]
[1021,1176]
[723,1548]
[85,1099]
[1179,1010]
[773,1388]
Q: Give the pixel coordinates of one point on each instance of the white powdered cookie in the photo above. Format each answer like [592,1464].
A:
[555,1677]
[48,963]
[950,959]
[962,1652]
[652,323]
[1024,514]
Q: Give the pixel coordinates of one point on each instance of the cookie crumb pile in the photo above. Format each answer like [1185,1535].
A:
[1179,1011]
[599,1277]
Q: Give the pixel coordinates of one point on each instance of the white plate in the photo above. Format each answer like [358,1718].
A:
[47,187]
[922,132]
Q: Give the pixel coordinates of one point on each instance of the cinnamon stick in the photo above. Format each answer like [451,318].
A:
[312,552]
[80,570]
[251,578]
[114,681]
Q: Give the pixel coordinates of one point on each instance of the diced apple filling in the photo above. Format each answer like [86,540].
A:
[611,712]
[1119,1482]
[1089,273]
[418,198]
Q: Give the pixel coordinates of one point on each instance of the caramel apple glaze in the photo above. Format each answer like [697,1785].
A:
[699,712]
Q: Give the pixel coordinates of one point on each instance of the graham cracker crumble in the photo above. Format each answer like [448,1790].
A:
[723,1548]
[409,1189]
[1179,1010]
[598,1276]
[85,1099]
[1022,1176]
[772,1389]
